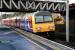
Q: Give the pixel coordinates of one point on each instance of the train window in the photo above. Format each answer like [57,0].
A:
[47,18]
[39,19]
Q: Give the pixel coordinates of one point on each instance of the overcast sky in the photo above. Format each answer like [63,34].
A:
[71,1]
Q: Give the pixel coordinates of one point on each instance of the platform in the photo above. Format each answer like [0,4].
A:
[44,41]
[11,40]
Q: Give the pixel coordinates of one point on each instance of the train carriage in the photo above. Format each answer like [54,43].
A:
[40,21]
[13,21]
[37,22]
[6,22]
[58,18]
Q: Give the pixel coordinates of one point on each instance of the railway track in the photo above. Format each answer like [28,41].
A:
[62,40]
[44,41]
[59,39]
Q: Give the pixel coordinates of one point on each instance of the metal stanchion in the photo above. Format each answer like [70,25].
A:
[67,21]
[1,18]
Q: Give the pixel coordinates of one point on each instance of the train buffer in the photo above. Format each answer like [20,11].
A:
[21,40]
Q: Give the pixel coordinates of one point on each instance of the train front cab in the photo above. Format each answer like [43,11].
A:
[43,22]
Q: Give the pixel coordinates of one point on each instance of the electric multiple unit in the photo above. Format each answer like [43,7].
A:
[40,21]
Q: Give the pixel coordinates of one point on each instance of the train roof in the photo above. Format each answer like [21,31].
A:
[38,13]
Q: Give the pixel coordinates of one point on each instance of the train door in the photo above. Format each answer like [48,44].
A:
[18,23]
[30,24]
[26,24]
[23,23]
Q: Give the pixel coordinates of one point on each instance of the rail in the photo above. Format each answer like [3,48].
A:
[49,43]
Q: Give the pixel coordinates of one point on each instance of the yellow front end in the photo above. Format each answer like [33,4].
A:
[43,27]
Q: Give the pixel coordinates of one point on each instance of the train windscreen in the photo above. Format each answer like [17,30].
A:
[42,19]
[47,18]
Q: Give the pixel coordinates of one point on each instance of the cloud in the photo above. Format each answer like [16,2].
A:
[71,1]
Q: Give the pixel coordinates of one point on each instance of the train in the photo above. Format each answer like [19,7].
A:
[37,22]
[58,18]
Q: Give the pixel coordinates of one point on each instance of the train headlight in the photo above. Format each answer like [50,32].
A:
[39,28]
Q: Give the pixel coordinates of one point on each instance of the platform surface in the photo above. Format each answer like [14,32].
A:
[11,40]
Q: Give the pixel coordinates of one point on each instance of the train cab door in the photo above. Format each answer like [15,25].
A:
[18,22]
[30,24]
[15,22]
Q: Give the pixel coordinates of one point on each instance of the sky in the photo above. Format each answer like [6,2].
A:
[71,1]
